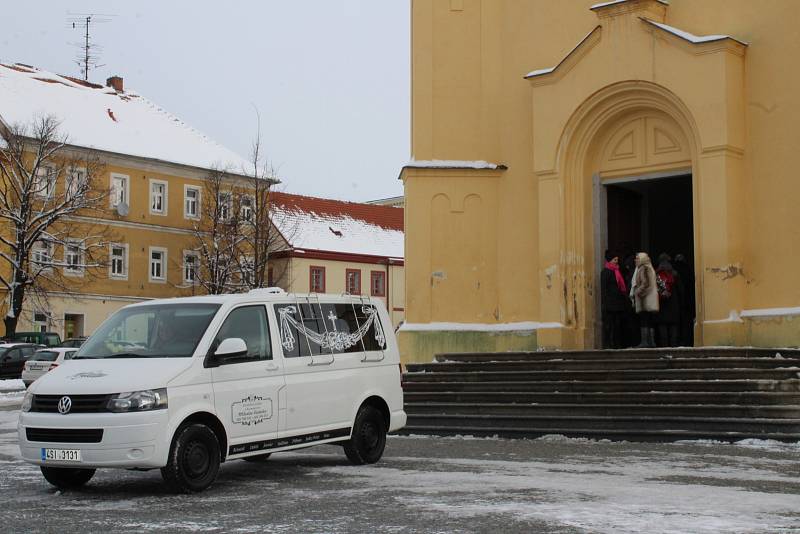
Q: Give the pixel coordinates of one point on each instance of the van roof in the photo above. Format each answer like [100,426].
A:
[256,295]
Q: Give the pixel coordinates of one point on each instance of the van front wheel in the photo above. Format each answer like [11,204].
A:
[193,459]
[366,444]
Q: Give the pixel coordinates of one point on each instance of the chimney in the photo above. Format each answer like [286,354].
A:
[116,83]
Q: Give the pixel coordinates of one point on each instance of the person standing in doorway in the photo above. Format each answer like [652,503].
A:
[669,302]
[644,296]
[613,302]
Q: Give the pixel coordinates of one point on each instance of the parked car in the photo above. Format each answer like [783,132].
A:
[185,384]
[74,342]
[13,357]
[44,360]
[48,339]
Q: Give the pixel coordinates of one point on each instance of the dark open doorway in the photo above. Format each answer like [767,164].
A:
[655,216]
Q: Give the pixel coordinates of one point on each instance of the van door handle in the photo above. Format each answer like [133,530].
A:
[272,367]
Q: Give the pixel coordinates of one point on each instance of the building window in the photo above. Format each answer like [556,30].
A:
[40,322]
[377,284]
[224,206]
[191,202]
[190,264]
[247,266]
[119,189]
[42,254]
[119,261]
[158,264]
[352,279]
[158,197]
[44,182]
[76,182]
[73,259]
[247,208]
[317,279]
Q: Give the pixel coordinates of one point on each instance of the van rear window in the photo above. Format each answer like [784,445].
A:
[308,329]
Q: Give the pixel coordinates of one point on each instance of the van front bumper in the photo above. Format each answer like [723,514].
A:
[129,440]
[397,420]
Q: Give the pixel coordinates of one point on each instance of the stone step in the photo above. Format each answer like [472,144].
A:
[409,385]
[788,411]
[750,425]
[610,434]
[650,397]
[608,364]
[680,352]
[606,375]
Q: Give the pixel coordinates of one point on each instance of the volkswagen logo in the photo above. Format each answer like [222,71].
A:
[64,405]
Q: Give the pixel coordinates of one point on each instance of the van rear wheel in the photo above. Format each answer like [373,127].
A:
[366,444]
[194,459]
[67,477]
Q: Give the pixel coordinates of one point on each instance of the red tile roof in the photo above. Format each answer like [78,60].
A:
[387,217]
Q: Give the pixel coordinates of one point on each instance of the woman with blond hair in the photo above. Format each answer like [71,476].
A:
[644,297]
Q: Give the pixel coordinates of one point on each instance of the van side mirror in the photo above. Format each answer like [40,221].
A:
[231,347]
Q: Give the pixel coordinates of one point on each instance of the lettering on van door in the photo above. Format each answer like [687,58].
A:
[251,410]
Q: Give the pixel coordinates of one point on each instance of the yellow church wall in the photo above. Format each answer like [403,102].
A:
[734,105]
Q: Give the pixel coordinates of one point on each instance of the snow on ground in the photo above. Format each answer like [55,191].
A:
[11,385]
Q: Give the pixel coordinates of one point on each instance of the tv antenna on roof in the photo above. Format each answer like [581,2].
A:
[88,50]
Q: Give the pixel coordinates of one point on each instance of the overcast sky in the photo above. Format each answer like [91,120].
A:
[329,78]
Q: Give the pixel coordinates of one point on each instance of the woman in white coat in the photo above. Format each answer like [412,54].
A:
[644,297]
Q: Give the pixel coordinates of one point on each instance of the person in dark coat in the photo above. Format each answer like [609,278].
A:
[670,294]
[630,321]
[613,302]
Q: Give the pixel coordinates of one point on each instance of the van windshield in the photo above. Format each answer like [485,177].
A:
[157,331]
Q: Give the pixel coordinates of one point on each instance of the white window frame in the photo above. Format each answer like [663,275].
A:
[225,203]
[80,270]
[250,207]
[49,175]
[196,256]
[125,249]
[198,190]
[164,196]
[48,249]
[163,278]
[38,324]
[112,200]
[69,182]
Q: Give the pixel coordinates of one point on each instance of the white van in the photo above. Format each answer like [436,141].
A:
[185,384]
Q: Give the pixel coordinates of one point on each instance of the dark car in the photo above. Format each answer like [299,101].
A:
[74,342]
[48,339]
[13,357]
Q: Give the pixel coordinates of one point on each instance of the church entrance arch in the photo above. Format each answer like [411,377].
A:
[627,163]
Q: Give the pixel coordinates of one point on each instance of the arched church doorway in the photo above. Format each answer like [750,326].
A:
[652,214]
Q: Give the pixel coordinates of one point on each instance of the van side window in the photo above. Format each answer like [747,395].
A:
[250,324]
[310,329]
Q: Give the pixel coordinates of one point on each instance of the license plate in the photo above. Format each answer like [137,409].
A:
[61,455]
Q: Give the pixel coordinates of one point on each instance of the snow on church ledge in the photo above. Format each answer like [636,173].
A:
[526,326]
[617,2]
[453,164]
[692,38]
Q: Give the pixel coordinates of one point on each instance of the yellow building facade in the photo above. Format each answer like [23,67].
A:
[533,121]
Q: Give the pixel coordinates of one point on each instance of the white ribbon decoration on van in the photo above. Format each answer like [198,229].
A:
[331,340]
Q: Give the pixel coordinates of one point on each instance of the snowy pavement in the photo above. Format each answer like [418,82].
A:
[11,392]
[426,484]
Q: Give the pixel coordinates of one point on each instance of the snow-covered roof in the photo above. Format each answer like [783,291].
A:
[319,224]
[98,117]
[692,38]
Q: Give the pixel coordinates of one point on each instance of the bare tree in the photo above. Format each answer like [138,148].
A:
[50,198]
[216,236]
[259,231]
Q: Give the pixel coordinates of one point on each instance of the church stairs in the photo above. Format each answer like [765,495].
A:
[638,395]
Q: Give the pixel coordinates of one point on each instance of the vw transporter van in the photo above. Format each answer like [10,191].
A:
[185,384]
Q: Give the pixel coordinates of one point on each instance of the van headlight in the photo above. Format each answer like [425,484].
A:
[138,401]
[27,401]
